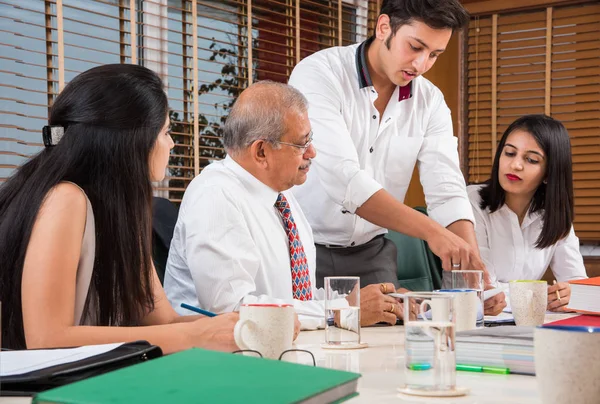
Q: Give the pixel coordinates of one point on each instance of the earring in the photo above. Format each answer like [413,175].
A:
[545,181]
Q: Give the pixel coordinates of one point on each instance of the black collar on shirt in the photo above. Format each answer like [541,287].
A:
[364,78]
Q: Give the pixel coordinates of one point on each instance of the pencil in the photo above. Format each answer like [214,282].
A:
[557,294]
[198,310]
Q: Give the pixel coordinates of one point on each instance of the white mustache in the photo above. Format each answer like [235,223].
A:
[308,163]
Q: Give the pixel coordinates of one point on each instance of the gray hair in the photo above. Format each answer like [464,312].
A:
[259,113]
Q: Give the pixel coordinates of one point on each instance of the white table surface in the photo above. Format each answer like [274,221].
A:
[382,369]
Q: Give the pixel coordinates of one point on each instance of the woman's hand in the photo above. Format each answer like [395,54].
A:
[494,305]
[554,302]
[214,333]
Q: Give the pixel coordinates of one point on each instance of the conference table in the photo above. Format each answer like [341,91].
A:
[381,365]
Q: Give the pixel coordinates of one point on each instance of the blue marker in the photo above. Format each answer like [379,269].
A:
[198,310]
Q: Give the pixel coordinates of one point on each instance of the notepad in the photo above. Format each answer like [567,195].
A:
[19,362]
[198,375]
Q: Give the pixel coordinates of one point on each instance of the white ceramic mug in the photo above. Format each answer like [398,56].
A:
[466,307]
[528,301]
[567,364]
[266,328]
[440,309]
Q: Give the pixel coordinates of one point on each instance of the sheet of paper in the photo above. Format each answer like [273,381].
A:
[500,318]
[20,362]
[492,292]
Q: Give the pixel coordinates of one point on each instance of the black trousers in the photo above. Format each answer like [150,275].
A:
[374,262]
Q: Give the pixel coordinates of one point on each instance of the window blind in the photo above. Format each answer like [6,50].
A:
[206,51]
[540,61]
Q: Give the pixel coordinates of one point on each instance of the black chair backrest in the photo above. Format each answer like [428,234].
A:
[164,218]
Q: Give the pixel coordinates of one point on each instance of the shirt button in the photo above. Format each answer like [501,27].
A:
[371,150]
[352,244]
[374,116]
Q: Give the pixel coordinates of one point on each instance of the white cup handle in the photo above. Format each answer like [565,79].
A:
[237,333]
[422,309]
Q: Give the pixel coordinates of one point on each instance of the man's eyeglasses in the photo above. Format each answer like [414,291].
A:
[303,148]
[301,356]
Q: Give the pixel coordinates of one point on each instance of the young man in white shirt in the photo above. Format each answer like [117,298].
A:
[374,117]
[232,239]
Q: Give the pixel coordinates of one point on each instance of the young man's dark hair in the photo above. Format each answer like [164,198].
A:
[437,14]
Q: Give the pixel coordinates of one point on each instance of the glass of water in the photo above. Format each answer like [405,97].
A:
[342,311]
[468,280]
[430,366]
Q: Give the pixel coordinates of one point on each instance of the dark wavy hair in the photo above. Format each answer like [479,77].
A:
[112,115]
[553,198]
[437,14]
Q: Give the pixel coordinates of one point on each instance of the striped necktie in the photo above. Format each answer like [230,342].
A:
[301,287]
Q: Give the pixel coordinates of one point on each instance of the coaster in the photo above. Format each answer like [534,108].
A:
[345,346]
[456,392]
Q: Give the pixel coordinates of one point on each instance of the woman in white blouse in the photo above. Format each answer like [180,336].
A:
[524,212]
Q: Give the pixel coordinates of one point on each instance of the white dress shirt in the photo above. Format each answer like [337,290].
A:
[357,155]
[230,246]
[508,249]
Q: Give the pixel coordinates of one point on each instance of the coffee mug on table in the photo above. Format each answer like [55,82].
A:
[528,301]
[266,328]
[440,309]
[466,307]
[567,364]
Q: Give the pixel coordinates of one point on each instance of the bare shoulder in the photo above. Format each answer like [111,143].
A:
[65,200]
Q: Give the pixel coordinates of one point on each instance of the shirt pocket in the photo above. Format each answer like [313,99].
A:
[400,164]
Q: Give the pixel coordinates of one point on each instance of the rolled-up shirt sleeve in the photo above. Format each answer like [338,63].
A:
[337,161]
[439,168]
[567,262]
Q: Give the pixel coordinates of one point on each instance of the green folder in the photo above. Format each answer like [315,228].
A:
[197,375]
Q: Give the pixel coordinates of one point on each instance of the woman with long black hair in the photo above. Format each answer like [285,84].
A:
[524,212]
[75,224]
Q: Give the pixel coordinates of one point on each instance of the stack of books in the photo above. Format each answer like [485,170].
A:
[498,348]
[585,296]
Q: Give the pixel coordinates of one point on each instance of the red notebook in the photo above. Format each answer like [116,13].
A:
[585,296]
[583,320]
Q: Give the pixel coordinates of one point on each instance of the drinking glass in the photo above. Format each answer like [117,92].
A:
[429,343]
[342,311]
[467,280]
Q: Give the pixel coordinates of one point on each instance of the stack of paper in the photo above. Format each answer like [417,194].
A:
[499,347]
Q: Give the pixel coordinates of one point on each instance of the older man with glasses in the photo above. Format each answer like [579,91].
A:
[241,237]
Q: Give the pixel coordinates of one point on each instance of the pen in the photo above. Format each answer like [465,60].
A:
[557,294]
[419,366]
[495,370]
[198,310]
[484,369]
[469,368]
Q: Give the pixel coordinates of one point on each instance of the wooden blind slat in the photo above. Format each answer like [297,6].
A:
[563,12]
[169,40]
[570,67]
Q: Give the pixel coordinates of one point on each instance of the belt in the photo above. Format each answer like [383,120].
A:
[353,244]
